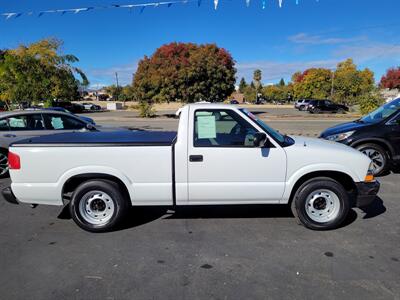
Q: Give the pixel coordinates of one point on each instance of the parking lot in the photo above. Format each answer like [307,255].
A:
[236,252]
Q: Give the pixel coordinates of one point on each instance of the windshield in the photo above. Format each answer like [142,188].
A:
[382,112]
[270,131]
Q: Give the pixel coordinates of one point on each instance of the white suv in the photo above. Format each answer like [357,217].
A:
[302,104]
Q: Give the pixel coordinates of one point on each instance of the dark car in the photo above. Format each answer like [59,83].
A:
[376,135]
[325,106]
[72,107]
[234,102]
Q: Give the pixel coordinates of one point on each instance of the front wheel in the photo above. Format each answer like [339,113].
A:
[98,205]
[321,204]
[378,155]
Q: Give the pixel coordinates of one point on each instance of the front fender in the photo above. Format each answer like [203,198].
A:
[291,181]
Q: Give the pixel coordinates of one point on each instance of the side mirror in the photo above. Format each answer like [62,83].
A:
[90,126]
[260,139]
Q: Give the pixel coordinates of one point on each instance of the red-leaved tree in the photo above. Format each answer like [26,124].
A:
[185,72]
[392,79]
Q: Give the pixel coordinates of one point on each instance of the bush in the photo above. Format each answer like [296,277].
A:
[369,102]
[146,110]
[47,103]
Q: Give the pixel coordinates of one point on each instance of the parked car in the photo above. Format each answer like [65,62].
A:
[3,106]
[260,102]
[235,102]
[84,118]
[377,135]
[301,104]
[222,154]
[325,106]
[18,125]
[91,106]
[75,108]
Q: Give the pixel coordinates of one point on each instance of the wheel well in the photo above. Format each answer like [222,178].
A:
[379,143]
[72,183]
[340,177]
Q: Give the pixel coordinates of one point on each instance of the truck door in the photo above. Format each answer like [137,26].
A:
[224,166]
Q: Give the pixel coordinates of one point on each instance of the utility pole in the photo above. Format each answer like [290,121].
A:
[116,77]
[333,78]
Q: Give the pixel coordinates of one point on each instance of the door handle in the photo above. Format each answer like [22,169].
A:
[196,158]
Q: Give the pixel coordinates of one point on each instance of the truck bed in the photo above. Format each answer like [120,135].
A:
[101,139]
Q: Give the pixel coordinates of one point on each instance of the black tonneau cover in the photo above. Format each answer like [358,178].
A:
[98,139]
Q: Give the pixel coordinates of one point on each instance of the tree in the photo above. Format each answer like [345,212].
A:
[185,72]
[242,85]
[257,77]
[391,80]
[370,101]
[276,92]
[114,91]
[38,72]
[281,82]
[315,83]
[349,83]
[250,93]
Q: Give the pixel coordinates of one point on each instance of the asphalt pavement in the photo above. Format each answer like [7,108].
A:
[227,252]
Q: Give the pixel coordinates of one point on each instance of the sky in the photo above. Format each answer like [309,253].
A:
[279,41]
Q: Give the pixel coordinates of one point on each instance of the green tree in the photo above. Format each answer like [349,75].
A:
[185,72]
[38,72]
[115,92]
[315,83]
[281,82]
[276,92]
[370,101]
[250,93]
[350,84]
[257,77]
[242,85]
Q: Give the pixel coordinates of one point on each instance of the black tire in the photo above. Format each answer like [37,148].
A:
[316,111]
[301,107]
[384,165]
[108,196]
[306,190]
[4,163]
[341,111]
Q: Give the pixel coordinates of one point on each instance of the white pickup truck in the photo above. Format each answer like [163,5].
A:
[221,155]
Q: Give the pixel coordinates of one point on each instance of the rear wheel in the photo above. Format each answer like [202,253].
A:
[340,111]
[316,111]
[378,155]
[98,205]
[321,204]
[3,163]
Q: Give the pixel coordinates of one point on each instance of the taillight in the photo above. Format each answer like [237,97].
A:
[13,161]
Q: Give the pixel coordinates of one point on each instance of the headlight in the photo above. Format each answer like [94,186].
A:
[339,137]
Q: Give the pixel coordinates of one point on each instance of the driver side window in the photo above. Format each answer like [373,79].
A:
[222,128]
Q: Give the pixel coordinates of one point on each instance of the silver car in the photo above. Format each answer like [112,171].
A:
[18,125]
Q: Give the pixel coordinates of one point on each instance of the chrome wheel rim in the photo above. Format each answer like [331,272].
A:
[3,164]
[378,160]
[96,207]
[322,205]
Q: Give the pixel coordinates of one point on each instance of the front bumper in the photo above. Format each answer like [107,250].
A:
[366,193]
[9,195]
